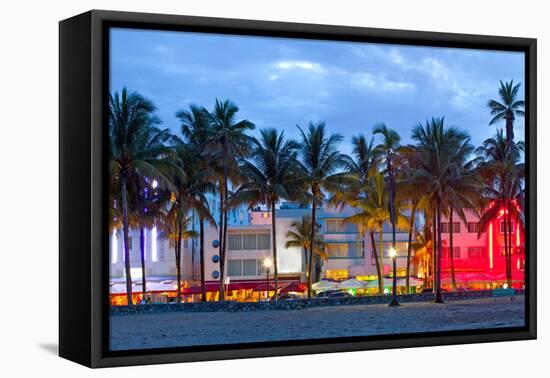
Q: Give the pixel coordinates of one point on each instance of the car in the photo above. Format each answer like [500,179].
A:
[327,293]
[340,294]
[286,297]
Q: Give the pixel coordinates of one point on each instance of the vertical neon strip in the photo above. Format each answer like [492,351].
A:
[114,248]
[490,246]
[154,255]
[517,235]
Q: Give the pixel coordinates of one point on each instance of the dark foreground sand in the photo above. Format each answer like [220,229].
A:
[186,329]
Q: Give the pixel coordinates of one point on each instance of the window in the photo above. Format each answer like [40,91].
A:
[338,226]
[334,225]
[445,227]
[263,241]
[446,252]
[503,250]
[249,267]
[349,250]
[474,252]
[235,242]
[249,241]
[473,227]
[235,268]
[510,227]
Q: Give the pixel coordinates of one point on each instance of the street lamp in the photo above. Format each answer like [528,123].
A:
[393,254]
[267,264]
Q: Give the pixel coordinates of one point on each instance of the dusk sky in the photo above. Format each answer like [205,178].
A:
[280,82]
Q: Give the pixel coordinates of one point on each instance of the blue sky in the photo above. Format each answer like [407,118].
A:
[280,82]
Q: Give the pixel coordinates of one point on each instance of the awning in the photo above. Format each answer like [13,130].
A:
[294,287]
[352,283]
[324,285]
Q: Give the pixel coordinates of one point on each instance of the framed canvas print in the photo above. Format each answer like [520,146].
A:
[234,188]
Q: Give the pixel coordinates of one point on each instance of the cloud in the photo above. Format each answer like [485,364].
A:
[379,82]
[282,66]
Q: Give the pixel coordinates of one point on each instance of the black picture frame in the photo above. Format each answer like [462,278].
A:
[83,236]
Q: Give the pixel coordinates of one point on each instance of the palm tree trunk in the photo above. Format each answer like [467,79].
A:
[274,238]
[508,278]
[392,220]
[509,130]
[381,263]
[178,262]
[510,246]
[201,253]
[125,231]
[312,244]
[306,265]
[451,250]
[377,262]
[409,248]
[434,246]
[142,256]
[438,298]
[221,244]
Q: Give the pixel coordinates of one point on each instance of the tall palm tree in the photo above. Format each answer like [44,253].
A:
[227,141]
[320,159]
[373,213]
[147,206]
[463,192]
[504,175]
[300,236]
[271,175]
[135,146]
[388,149]
[192,186]
[441,152]
[412,196]
[195,124]
[508,108]
[424,251]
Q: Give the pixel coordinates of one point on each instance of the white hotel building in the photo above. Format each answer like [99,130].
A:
[249,243]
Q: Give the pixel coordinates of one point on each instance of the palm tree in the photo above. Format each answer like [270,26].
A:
[227,141]
[147,207]
[135,146]
[441,152]
[388,150]
[300,236]
[195,124]
[463,192]
[424,251]
[504,175]
[508,109]
[412,195]
[192,185]
[373,213]
[271,175]
[175,229]
[359,169]
[320,159]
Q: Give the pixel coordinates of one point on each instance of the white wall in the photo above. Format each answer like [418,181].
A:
[28,34]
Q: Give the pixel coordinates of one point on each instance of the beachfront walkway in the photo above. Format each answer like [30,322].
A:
[184,329]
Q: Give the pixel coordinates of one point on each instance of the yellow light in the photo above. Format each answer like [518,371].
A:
[392,252]
[268,263]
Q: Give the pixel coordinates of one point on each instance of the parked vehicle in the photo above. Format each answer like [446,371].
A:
[287,297]
[327,294]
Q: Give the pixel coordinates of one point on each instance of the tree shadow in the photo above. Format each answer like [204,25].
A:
[51,348]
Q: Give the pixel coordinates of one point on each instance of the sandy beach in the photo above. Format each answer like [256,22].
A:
[187,329]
